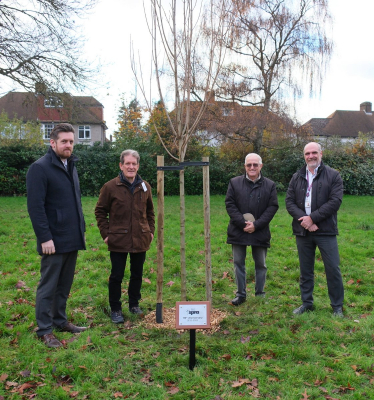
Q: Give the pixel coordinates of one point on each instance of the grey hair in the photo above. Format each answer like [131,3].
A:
[319,146]
[129,152]
[253,154]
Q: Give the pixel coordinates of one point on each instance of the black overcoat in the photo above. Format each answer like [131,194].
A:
[260,199]
[54,203]
[327,194]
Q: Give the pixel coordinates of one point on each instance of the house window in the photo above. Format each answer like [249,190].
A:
[84,132]
[47,129]
[53,102]
[226,112]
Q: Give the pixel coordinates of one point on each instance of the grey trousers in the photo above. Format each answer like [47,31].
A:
[239,253]
[56,278]
[328,246]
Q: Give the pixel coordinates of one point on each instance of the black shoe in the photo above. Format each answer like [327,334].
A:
[50,340]
[237,301]
[117,317]
[302,309]
[338,312]
[137,310]
[69,327]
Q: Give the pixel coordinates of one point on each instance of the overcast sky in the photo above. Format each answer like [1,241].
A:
[348,82]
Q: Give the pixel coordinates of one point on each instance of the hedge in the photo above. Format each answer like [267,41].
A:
[98,164]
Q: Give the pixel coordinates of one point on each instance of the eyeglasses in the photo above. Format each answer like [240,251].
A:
[255,165]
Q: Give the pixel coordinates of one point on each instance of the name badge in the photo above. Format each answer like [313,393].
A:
[144,187]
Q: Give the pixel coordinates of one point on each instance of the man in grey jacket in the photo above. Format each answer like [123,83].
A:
[251,202]
[313,198]
[54,205]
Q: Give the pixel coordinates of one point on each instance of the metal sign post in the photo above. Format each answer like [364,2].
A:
[192,315]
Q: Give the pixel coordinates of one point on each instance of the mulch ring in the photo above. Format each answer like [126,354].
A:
[168,318]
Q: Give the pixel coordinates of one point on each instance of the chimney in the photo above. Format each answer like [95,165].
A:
[40,88]
[210,96]
[366,106]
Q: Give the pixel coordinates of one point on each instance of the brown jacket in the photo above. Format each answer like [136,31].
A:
[126,219]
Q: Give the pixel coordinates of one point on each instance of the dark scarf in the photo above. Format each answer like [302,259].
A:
[133,185]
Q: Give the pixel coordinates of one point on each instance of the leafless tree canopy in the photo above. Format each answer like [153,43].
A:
[186,62]
[39,43]
[276,43]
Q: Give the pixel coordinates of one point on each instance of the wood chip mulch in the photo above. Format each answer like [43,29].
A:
[168,318]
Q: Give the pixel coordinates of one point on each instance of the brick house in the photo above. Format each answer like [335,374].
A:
[85,113]
[343,123]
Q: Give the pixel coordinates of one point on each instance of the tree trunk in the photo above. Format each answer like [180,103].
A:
[182,237]
[208,258]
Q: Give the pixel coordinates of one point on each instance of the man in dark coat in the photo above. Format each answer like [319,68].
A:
[126,219]
[313,199]
[251,202]
[54,206]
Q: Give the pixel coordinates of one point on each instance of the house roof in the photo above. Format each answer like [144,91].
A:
[30,107]
[20,105]
[343,123]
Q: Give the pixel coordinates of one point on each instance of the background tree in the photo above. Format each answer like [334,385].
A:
[184,62]
[274,45]
[129,120]
[15,131]
[40,44]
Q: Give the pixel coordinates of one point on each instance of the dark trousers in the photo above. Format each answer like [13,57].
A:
[328,246]
[116,276]
[56,278]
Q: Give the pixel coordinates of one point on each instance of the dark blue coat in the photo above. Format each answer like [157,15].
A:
[260,199]
[54,203]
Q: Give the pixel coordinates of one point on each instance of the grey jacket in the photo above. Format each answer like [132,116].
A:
[260,199]
[327,194]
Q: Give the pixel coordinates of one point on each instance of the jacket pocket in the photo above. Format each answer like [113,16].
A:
[145,237]
[119,239]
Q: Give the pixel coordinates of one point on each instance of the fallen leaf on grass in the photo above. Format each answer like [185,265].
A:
[305,396]
[170,283]
[227,357]
[173,390]
[351,282]
[20,284]
[3,377]
[25,386]
[224,275]
[147,280]
[118,394]
[25,373]
[240,382]
[245,339]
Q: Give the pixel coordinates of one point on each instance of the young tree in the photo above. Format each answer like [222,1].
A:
[275,43]
[40,43]
[186,63]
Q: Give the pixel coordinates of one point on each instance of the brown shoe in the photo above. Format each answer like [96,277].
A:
[50,340]
[69,327]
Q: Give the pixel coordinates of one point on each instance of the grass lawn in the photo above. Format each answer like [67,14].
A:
[261,349]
